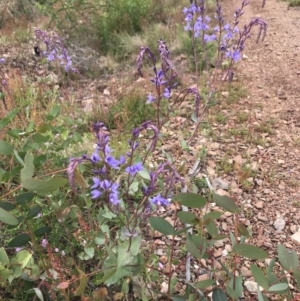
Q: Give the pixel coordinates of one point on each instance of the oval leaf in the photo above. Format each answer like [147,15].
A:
[285,258]
[219,295]
[19,241]
[187,217]
[25,198]
[5,148]
[39,293]
[7,206]
[259,277]
[28,170]
[34,211]
[278,288]
[250,251]
[191,200]
[225,202]
[44,186]
[242,230]
[161,225]
[205,283]
[42,231]
[7,218]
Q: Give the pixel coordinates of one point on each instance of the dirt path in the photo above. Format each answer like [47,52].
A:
[271,73]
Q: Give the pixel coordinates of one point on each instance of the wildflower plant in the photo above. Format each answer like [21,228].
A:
[96,231]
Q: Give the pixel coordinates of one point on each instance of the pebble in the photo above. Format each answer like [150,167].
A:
[219,184]
[279,224]
[259,205]
[252,286]
[296,237]
[245,272]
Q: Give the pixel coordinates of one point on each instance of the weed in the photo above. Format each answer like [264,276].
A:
[221,118]
[242,117]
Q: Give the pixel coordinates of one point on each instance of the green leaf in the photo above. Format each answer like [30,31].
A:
[7,218]
[219,295]
[19,241]
[38,138]
[7,206]
[205,283]
[250,251]
[191,200]
[43,128]
[34,211]
[212,229]
[39,293]
[162,226]
[25,198]
[237,291]
[9,117]
[4,258]
[4,273]
[90,252]
[296,274]
[19,159]
[82,285]
[28,170]
[285,258]
[225,202]
[42,231]
[259,277]
[144,174]
[106,276]
[44,186]
[127,254]
[242,230]
[278,288]
[30,127]
[211,216]
[187,217]
[23,258]
[14,133]
[260,295]
[133,188]
[53,113]
[191,247]
[5,148]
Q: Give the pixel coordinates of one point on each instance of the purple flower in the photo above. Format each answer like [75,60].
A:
[167,92]
[134,169]
[158,79]
[56,250]
[150,98]
[112,162]
[44,243]
[159,201]
[114,198]
[2,60]
[18,249]
[96,183]
[234,55]
[95,194]
[209,38]
[95,157]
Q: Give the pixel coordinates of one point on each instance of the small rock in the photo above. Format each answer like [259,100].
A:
[238,159]
[259,182]
[259,205]
[296,237]
[222,192]
[293,228]
[215,145]
[218,253]
[218,183]
[219,243]
[163,259]
[106,92]
[225,93]
[262,217]
[245,272]
[279,224]
[252,286]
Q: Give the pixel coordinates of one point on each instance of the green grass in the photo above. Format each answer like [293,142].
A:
[293,3]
